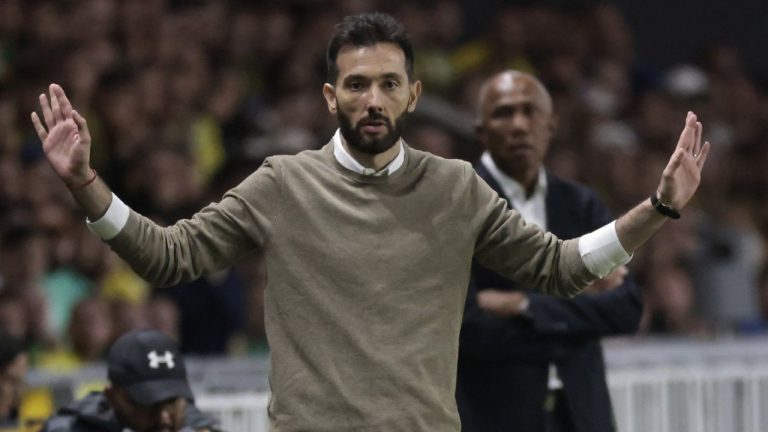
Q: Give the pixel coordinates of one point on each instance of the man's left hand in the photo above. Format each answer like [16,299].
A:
[682,174]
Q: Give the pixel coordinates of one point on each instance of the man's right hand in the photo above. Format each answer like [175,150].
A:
[65,137]
[612,281]
[503,304]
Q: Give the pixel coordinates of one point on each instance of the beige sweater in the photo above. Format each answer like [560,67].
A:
[367,280]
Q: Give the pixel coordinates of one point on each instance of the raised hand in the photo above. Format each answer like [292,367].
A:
[682,174]
[65,137]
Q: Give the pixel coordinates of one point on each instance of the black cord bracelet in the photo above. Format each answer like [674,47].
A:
[663,208]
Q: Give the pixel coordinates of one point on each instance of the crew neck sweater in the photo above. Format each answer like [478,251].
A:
[367,277]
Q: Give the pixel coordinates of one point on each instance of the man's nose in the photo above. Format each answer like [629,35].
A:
[164,415]
[373,100]
[520,123]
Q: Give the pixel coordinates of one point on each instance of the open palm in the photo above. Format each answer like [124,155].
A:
[682,174]
[65,136]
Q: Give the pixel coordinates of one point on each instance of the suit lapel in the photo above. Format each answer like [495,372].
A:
[484,174]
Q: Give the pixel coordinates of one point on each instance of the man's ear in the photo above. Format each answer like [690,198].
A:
[329,93]
[415,92]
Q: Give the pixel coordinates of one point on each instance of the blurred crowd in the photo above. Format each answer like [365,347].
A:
[185,98]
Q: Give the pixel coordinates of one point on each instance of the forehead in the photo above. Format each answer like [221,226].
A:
[374,60]
[512,90]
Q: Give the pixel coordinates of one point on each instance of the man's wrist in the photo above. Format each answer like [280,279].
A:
[80,177]
[82,181]
[663,208]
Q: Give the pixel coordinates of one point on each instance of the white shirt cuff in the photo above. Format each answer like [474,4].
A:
[113,221]
[601,250]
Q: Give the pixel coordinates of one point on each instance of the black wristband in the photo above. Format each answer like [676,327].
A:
[664,209]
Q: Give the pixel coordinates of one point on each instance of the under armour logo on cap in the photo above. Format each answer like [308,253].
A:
[155,360]
[148,365]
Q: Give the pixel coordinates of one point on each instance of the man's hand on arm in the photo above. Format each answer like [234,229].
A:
[67,146]
[503,304]
[607,283]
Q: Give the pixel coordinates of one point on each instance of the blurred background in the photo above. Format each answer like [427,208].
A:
[186,98]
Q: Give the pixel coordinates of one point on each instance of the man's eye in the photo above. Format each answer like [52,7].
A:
[355,86]
[392,84]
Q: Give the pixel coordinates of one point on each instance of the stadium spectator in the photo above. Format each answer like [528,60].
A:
[148,391]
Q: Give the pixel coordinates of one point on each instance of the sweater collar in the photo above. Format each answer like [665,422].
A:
[347,161]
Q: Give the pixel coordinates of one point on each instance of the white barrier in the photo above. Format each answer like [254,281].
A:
[689,386]
[245,412]
[729,397]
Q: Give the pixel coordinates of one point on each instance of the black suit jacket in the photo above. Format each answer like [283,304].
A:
[504,363]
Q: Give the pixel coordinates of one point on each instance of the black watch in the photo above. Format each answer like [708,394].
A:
[663,208]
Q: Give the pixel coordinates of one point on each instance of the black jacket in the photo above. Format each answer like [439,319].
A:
[503,364]
[94,414]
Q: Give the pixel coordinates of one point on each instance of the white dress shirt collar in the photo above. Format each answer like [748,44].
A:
[350,163]
[532,208]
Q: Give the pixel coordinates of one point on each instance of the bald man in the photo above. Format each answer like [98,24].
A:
[530,362]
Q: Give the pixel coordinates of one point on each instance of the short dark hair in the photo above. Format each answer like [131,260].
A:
[367,30]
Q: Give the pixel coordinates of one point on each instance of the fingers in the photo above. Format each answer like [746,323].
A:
[82,126]
[701,158]
[47,114]
[41,132]
[64,104]
[697,141]
[55,107]
[675,161]
[688,135]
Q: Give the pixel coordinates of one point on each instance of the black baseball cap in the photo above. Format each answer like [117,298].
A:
[148,365]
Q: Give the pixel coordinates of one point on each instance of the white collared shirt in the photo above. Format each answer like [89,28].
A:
[347,161]
[533,208]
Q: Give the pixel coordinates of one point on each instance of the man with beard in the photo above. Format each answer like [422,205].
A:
[368,244]
[531,362]
[148,392]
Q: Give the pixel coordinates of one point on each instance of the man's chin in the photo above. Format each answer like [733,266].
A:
[373,147]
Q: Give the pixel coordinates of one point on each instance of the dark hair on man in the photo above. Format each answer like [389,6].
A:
[366,30]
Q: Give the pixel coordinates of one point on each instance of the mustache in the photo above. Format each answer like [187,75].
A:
[374,118]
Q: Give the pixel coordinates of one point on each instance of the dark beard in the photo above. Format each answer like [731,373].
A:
[358,142]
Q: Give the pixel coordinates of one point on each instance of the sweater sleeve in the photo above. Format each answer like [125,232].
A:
[520,251]
[209,241]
